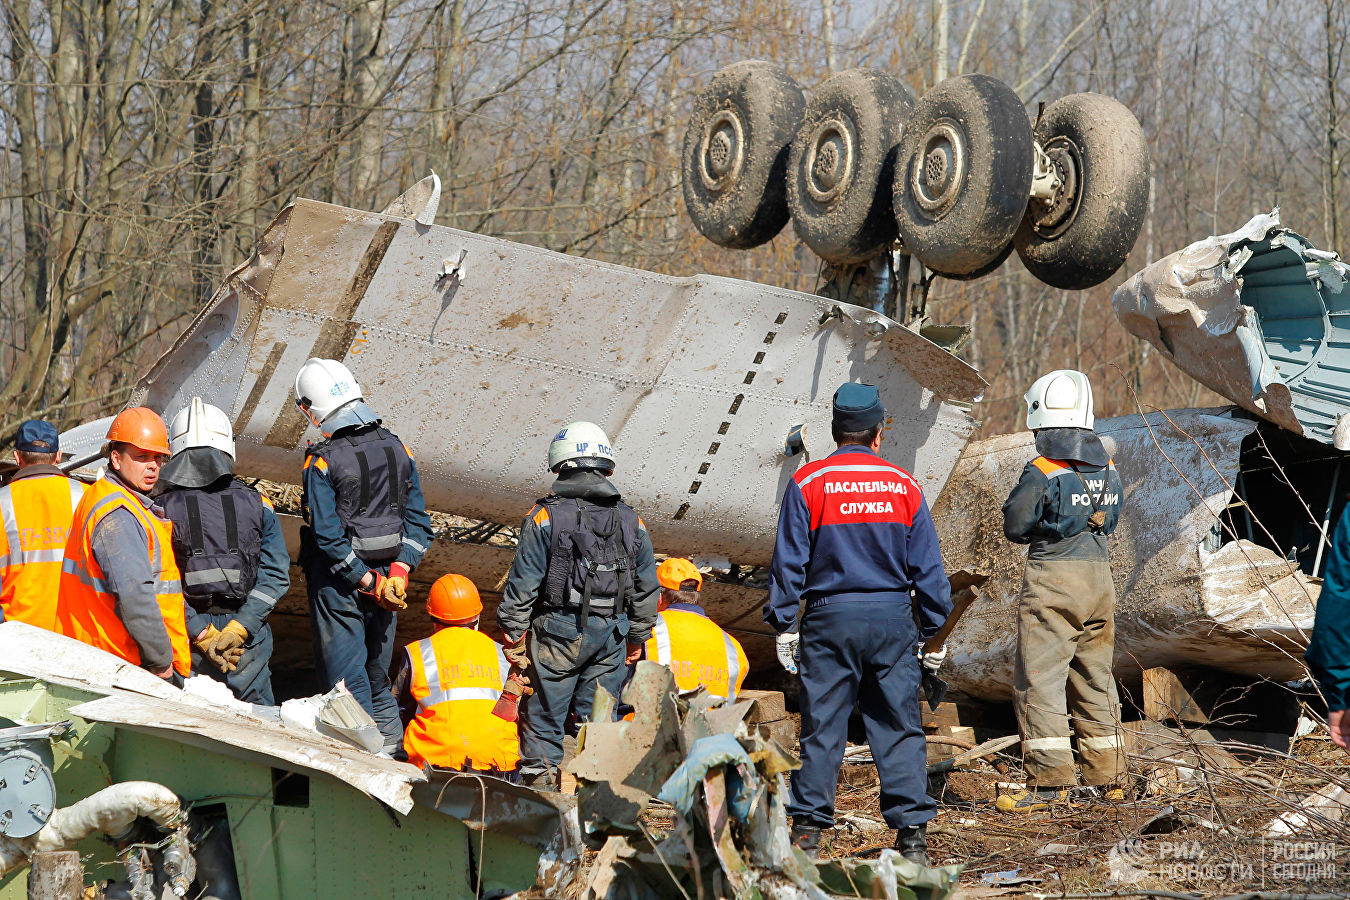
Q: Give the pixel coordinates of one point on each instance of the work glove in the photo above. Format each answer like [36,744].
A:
[394,590]
[228,647]
[518,657]
[789,650]
[384,597]
[933,659]
[206,643]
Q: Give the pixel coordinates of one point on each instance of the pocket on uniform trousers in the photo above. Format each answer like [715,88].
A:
[556,629]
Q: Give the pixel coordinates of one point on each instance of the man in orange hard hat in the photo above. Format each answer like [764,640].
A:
[690,644]
[36,508]
[447,684]
[120,583]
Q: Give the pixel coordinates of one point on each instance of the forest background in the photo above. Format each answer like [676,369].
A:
[146,143]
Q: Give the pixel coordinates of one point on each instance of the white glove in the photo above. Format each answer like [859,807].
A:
[933,660]
[789,645]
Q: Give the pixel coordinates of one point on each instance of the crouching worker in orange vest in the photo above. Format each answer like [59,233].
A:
[35,509]
[690,644]
[120,587]
[447,684]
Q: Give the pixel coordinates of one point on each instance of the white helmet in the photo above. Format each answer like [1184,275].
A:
[323,386]
[1061,399]
[580,445]
[201,425]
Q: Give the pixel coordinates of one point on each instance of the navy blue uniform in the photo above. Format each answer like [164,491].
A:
[353,636]
[1328,653]
[570,655]
[855,538]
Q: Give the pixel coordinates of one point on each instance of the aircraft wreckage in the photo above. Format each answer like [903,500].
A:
[714,391]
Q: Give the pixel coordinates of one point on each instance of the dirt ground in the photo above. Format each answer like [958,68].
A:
[1202,837]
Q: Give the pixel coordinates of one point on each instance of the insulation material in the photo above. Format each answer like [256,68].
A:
[1241,608]
[1257,316]
[110,811]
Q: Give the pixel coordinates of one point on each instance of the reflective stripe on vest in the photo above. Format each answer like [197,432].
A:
[664,654]
[36,511]
[436,693]
[456,676]
[87,608]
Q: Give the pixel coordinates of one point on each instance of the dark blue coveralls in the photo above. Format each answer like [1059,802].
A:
[855,537]
[570,658]
[353,636]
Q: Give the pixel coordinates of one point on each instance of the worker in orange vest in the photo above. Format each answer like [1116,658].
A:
[120,584]
[36,508]
[692,645]
[447,684]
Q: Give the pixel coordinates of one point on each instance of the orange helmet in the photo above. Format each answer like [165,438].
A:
[454,599]
[142,428]
[676,571]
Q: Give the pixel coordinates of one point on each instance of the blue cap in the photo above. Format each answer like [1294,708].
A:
[37,436]
[857,407]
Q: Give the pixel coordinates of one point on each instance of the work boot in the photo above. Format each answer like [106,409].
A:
[911,841]
[546,781]
[1031,800]
[806,838]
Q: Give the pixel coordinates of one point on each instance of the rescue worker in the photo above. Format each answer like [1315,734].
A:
[230,549]
[855,538]
[581,585]
[1064,506]
[120,585]
[447,684]
[366,528]
[36,508]
[686,641]
[1328,652]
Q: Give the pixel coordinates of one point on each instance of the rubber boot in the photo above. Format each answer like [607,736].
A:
[806,838]
[911,842]
[541,781]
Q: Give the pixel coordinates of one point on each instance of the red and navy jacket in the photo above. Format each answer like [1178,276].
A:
[855,527]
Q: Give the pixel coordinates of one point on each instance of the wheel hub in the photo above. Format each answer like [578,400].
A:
[1051,217]
[941,170]
[828,163]
[723,151]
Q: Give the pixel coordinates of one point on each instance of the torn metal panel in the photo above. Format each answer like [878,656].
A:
[475,350]
[159,707]
[1241,608]
[1259,316]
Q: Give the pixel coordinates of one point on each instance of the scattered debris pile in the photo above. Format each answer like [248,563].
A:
[724,785]
[1209,816]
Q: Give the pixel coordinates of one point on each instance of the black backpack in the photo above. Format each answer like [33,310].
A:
[591,555]
[372,474]
[217,539]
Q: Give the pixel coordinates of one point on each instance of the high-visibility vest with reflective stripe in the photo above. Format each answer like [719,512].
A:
[698,652]
[457,677]
[36,512]
[86,609]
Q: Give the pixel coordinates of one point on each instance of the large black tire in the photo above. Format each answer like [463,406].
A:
[736,153]
[840,171]
[1085,234]
[963,175]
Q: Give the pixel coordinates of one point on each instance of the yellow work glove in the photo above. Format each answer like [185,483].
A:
[228,648]
[392,591]
[206,642]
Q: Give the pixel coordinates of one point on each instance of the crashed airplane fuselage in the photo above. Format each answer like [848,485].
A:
[475,350]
